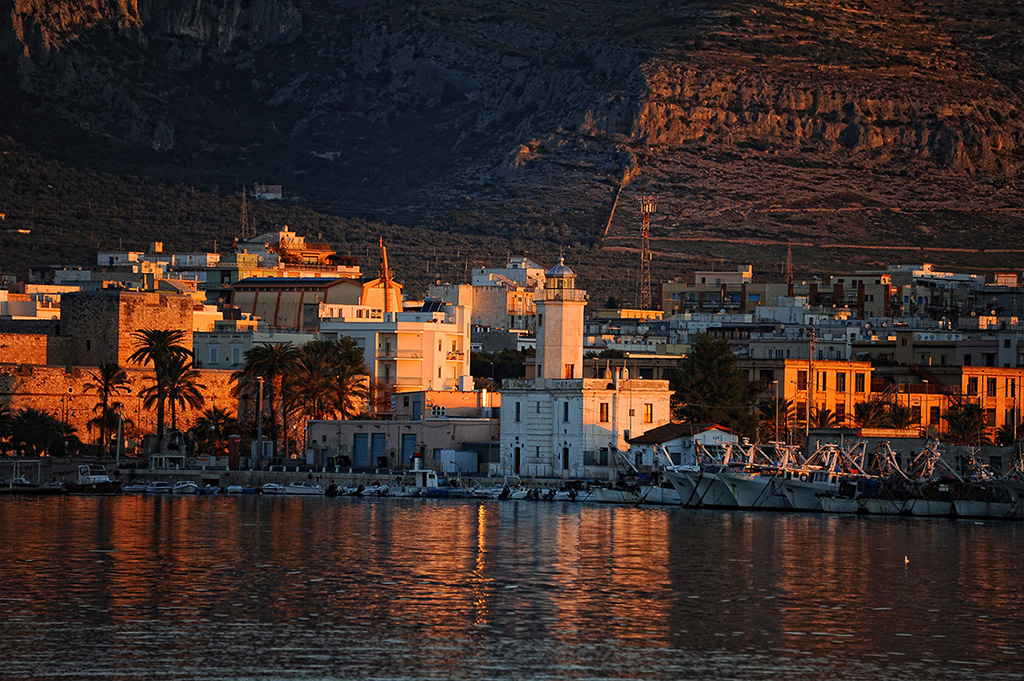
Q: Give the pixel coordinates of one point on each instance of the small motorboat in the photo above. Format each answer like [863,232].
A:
[272,488]
[158,487]
[304,488]
[93,479]
[185,487]
[239,489]
[21,485]
[135,488]
[209,489]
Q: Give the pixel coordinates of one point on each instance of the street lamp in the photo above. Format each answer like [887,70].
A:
[259,422]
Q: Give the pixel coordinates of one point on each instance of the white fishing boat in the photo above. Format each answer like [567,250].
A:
[304,489]
[135,488]
[93,479]
[185,487]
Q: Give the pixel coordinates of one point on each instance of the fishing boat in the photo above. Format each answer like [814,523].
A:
[22,485]
[304,489]
[185,487]
[93,479]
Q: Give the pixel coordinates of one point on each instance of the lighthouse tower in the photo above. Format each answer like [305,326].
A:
[560,325]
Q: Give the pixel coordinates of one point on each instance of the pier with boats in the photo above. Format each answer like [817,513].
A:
[833,478]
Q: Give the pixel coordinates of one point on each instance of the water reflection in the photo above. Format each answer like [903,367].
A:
[235,587]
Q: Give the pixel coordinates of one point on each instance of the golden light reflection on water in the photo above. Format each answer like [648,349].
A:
[561,580]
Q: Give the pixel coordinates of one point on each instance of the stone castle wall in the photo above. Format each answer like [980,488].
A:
[98,326]
[61,391]
[23,348]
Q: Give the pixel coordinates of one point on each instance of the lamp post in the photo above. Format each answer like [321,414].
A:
[259,423]
[777,405]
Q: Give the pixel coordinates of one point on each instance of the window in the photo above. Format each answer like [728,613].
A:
[915,414]
[858,383]
[990,418]
[518,406]
[569,371]
[565,411]
[934,415]
[648,413]
[540,320]
[603,412]
[822,380]
[990,387]
[801,380]
[1006,343]
[1013,387]
[972,386]
[236,355]
[967,359]
[841,383]
[840,412]
[214,354]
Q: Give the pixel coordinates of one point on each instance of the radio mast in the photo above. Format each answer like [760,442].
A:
[648,205]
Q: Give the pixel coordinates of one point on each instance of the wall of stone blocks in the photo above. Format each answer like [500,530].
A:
[23,348]
[98,326]
[62,392]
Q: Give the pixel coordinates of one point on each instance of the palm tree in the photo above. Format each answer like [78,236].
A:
[869,414]
[823,417]
[36,432]
[214,425]
[965,424]
[182,387]
[776,416]
[157,347]
[6,418]
[109,380]
[114,416]
[271,362]
[900,417]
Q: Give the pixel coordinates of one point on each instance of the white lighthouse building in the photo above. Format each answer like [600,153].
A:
[559,424]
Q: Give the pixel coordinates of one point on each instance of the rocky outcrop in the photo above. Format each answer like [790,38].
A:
[682,106]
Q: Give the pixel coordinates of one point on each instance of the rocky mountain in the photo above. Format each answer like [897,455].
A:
[853,132]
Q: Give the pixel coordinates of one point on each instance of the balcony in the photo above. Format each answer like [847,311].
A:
[399,354]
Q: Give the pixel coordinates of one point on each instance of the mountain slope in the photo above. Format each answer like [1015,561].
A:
[873,123]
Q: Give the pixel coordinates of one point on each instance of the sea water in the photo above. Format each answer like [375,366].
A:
[316,588]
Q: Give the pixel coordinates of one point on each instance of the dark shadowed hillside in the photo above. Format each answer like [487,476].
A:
[828,126]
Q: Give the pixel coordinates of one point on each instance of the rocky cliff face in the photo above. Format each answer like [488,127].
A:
[547,114]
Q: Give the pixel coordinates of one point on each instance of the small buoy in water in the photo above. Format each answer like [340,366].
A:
[906,561]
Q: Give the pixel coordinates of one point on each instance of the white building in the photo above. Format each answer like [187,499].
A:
[680,441]
[422,350]
[559,424]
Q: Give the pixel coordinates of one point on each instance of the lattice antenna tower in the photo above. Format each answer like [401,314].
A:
[648,205]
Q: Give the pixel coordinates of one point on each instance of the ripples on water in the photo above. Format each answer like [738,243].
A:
[249,587]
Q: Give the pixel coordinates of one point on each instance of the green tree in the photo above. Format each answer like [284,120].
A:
[709,388]
[109,381]
[900,416]
[212,426]
[776,417]
[36,432]
[182,387]
[271,362]
[330,380]
[822,417]
[965,424]
[6,419]
[869,414]
[158,347]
